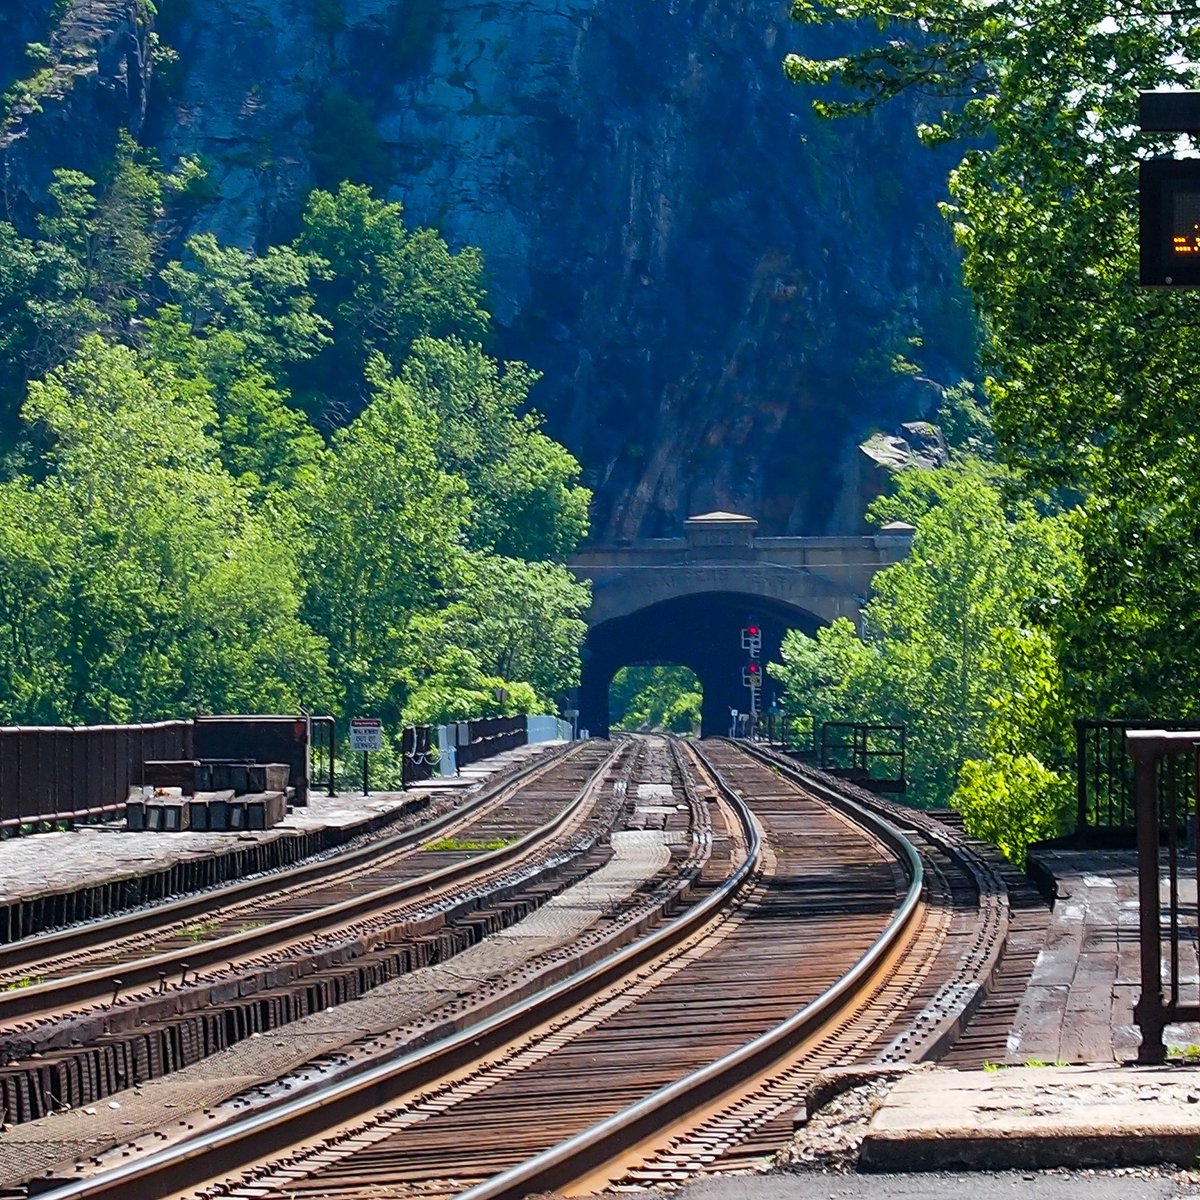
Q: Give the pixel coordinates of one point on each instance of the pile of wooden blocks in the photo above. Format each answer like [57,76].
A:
[208,795]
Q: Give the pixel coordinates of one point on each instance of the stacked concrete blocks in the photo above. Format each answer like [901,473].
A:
[214,795]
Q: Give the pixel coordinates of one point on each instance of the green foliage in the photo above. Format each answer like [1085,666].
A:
[386,287]
[175,536]
[384,521]
[453,687]
[265,443]
[138,582]
[1012,801]
[264,299]
[1090,378]
[526,501]
[515,620]
[655,697]
[951,647]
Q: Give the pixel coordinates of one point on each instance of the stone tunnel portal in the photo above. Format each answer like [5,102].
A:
[700,631]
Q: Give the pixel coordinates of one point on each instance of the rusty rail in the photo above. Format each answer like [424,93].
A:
[588,1150]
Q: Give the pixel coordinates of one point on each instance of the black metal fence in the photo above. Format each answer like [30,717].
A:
[489,736]
[797,735]
[1104,776]
[874,755]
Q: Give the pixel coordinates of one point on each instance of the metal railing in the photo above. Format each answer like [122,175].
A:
[857,749]
[1166,770]
[795,735]
[489,736]
[324,747]
[418,754]
[1104,797]
[63,774]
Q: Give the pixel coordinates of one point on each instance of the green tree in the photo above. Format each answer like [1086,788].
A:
[265,443]
[655,697]
[158,591]
[108,230]
[950,646]
[265,300]
[520,622]
[44,311]
[526,501]
[385,287]
[454,687]
[383,522]
[1090,378]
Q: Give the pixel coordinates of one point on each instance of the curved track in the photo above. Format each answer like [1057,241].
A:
[820,935]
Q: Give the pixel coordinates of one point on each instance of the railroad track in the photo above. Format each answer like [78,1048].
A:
[810,946]
[715,975]
[258,968]
[26,966]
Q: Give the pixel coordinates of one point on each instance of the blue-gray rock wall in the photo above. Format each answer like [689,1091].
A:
[713,282]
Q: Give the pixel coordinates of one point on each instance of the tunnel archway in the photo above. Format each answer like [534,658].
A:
[701,631]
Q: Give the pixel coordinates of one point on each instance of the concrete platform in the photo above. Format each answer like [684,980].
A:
[1078,1101]
[1036,1117]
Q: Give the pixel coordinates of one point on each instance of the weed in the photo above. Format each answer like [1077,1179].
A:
[468,844]
[24,982]
[200,933]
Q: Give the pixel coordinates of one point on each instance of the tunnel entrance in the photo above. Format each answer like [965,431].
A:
[702,632]
[656,696]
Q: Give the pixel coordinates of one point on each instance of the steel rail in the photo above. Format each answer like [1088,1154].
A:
[97,984]
[225,1150]
[84,934]
[588,1150]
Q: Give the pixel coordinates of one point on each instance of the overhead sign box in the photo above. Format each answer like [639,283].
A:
[1169,234]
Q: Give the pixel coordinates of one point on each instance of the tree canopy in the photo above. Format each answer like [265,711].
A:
[248,481]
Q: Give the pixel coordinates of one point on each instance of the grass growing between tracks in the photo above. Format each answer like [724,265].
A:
[469,844]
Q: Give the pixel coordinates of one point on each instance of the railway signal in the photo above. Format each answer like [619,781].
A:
[752,676]
[752,640]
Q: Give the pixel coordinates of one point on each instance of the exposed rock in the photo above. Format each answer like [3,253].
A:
[93,83]
[714,283]
[867,472]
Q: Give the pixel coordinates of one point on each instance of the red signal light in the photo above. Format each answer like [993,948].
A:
[753,668]
[753,631]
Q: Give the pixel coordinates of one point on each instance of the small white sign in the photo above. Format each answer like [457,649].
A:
[366,733]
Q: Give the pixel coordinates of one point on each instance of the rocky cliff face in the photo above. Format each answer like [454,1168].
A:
[713,282]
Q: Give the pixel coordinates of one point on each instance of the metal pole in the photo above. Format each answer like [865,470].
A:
[366,791]
[1081,788]
[1148,1012]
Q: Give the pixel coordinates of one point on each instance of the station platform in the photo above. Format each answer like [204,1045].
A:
[50,879]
